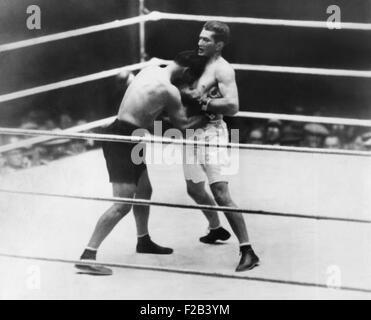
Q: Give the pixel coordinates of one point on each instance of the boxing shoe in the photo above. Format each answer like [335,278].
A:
[89,256]
[93,269]
[215,235]
[146,245]
[249,259]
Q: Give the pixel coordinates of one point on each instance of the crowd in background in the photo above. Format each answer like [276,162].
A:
[45,152]
[56,119]
[252,131]
[300,134]
[268,132]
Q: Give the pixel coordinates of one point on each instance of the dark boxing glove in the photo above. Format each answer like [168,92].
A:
[191,100]
[213,93]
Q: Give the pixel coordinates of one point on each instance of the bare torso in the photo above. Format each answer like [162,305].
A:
[209,79]
[145,98]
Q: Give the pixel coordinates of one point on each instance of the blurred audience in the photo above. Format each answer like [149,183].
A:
[65,121]
[49,124]
[272,134]
[292,134]
[44,152]
[256,136]
[356,144]
[367,144]
[314,135]
[332,142]
[252,131]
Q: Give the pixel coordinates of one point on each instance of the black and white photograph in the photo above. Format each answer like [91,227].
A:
[203,151]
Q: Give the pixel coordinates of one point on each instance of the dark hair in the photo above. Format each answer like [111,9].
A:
[220,29]
[190,59]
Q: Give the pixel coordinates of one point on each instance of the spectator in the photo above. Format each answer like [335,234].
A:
[2,164]
[29,125]
[314,135]
[350,133]
[50,125]
[31,118]
[65,121]
[57,148]
[256,137]
[292,134]
[273,132]
[332,142]
[367,144]
[366,140]
[339,131]
[16,160]
[2,140]
[89,144]
[366,136]
[79,146]
[356,144]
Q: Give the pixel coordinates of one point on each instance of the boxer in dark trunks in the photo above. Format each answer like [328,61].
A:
[151,93]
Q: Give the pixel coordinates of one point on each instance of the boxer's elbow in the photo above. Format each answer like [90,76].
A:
[232,107]
[180,123]
[182,126]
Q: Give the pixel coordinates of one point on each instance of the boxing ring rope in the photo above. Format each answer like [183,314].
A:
[136,139]
[144,202]
[71,33]
[137,66]
[40,139]
[156,61]
[156,16]
[262,21]
[243,114]
[183,271]
[75,81]
[300,118]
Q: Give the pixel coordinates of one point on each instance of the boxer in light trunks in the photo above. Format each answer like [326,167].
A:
[216,94]
[151,93]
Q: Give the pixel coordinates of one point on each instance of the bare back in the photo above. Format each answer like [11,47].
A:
[145,98]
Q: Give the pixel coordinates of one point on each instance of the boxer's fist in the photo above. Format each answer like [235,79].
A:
[214,93]
[191,100]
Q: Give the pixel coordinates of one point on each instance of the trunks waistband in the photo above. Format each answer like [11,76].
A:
[121,127]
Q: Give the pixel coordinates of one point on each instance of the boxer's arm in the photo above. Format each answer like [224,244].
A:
[178,114]
[228,104]
[191,100]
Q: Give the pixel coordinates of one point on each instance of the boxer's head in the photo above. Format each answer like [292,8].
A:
[213,37]
[188,67]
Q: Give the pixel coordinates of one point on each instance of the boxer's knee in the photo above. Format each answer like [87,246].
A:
[221,194]
[196,191]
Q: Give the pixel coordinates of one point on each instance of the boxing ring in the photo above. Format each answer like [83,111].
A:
[296,202]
